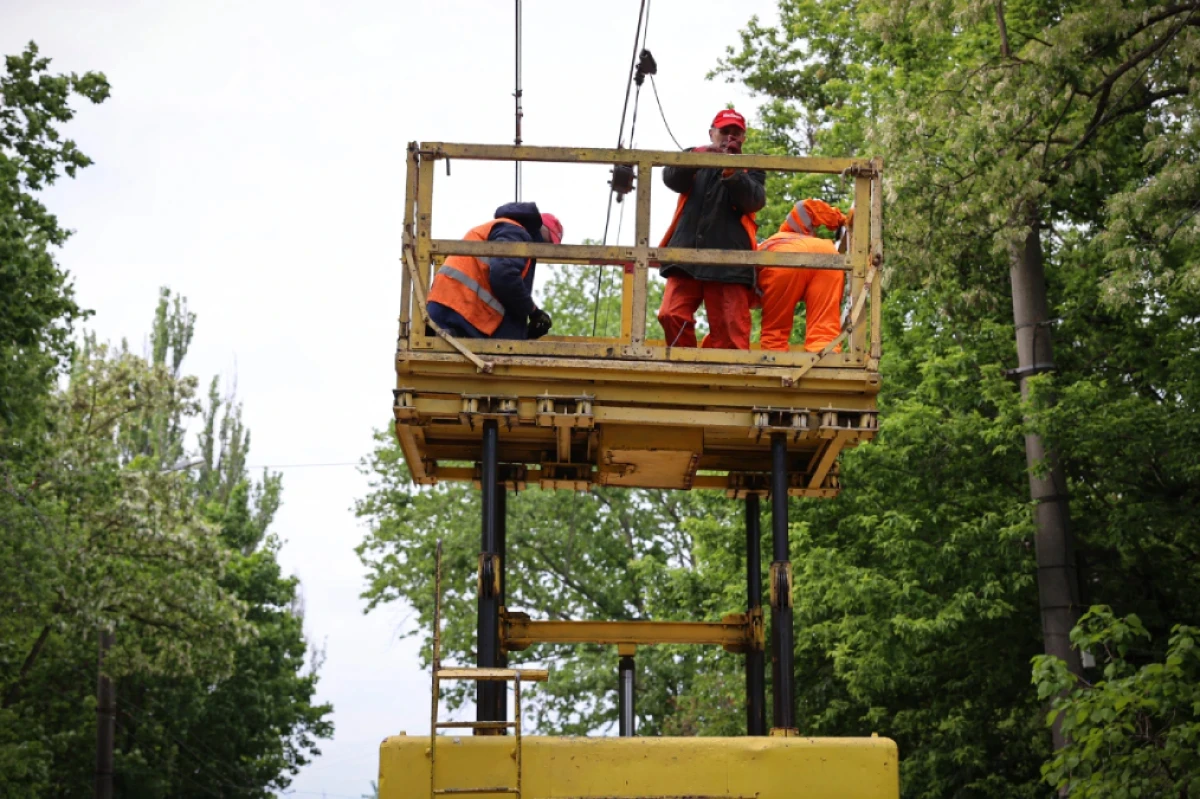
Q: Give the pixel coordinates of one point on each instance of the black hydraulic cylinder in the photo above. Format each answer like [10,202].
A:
[626,715]
[487,650]
[756,690]
[502,549]
[783,668]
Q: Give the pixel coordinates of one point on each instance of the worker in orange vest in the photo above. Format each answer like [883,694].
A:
[493,297]
[715,211]
[819,289]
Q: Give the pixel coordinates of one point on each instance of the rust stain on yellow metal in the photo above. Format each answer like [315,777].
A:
[662,768]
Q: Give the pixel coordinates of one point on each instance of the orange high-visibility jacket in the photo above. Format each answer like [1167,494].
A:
[464,284]
[810,214]
[819,289]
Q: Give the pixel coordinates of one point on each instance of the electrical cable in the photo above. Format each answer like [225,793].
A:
[663,113]
[301,465]
[637,34]
[642,32]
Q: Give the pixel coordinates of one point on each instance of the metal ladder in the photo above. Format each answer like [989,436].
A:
[515,676]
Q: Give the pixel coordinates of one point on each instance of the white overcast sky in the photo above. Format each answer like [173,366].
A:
[252,158]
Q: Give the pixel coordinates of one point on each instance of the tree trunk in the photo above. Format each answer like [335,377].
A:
[1058,582]
[106,716]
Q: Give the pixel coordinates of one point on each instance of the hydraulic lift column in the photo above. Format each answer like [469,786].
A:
[782,644]
[502,551]
[756,696]
[488,632]
[626,684]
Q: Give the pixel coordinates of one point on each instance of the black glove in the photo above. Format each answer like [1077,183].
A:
[539,324]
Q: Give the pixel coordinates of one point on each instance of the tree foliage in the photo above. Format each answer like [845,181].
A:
[1136,731]
[37,305]
[125,528]
[109,519]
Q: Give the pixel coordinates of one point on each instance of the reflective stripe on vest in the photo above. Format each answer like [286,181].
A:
[799,221]
[484,295]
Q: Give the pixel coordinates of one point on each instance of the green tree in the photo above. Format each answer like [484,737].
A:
[37,305]
[131,532]
[252,730]
[108,538]
[1136,732]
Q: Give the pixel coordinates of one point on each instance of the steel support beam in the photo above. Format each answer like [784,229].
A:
[782,635]
[735,632]
[627,682]
[756,701]
[487,651]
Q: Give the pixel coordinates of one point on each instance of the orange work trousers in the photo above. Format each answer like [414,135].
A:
[727,304]
[783,289]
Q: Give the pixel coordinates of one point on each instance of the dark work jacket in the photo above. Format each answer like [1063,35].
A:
[513,291]
[712,217]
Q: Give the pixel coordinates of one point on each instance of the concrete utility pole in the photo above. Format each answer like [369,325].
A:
[1058,580]
[106,718]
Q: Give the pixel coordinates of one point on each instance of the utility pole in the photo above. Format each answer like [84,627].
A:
[1058,579]
[106,720]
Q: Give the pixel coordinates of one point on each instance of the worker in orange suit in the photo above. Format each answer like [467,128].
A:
[819,289]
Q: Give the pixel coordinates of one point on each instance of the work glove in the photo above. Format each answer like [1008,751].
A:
[539,324]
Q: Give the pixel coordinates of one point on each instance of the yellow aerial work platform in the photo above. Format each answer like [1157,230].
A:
[627,410]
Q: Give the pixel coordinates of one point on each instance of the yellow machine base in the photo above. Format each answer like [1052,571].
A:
[647,768]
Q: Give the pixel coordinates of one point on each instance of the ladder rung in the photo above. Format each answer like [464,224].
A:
[475,725]
[441,791]
[527,675]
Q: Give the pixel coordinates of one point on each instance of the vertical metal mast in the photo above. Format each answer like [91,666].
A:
[517,99]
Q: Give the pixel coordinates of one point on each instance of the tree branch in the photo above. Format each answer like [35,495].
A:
[1005,50]
[14,690]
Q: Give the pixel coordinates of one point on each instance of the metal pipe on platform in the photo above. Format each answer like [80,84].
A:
[627,682]
[487,650]
[782,634]
[756,701]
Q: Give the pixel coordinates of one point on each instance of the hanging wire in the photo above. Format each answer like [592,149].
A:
[638,34]
[642,32]
[663,113]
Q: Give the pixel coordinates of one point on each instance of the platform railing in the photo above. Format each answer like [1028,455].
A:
[860,344]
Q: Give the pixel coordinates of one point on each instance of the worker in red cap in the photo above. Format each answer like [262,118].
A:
[715,211]
[819,289]
[492,297]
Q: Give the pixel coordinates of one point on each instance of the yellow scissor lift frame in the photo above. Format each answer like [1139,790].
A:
[625,410]
[571,413]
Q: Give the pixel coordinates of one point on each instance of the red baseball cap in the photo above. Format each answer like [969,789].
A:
[554,226]
[728,116]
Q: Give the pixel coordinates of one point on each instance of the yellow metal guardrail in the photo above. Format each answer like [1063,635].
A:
[422,252]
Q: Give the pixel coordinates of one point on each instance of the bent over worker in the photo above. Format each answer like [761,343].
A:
[819,289]
[492,297]
[715,211]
